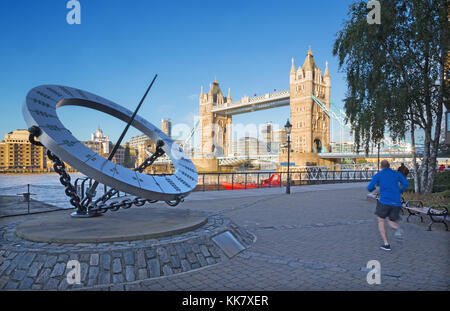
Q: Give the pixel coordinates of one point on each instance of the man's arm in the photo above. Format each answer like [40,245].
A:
[404,182]
[373,183]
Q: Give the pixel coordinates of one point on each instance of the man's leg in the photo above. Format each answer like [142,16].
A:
[393,224]
[394,217]
[382,229]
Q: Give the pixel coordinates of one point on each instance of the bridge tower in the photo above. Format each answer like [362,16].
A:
[215,135]
[310,125]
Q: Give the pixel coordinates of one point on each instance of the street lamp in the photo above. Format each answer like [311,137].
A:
[288,128]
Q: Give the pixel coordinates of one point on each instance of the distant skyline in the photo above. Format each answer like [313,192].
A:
[246,45]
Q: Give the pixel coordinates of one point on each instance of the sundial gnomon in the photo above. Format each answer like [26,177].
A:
[39,111]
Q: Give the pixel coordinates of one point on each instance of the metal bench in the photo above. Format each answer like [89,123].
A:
[416,208]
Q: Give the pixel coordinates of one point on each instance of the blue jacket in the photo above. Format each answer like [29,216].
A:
[390,190]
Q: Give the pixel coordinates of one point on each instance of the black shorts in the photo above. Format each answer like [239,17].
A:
[384,211]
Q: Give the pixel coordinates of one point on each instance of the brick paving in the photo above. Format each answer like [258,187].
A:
[320,238]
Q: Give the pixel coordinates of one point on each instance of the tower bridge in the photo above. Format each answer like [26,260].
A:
[310,113]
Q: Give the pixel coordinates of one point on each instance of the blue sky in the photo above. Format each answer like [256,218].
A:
[119,46]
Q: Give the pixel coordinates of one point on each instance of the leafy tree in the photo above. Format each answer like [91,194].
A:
[395,75]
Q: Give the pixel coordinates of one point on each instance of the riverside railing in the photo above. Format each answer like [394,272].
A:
[19,197]
[270,179]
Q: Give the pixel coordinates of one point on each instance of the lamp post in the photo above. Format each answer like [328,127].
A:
[288,128]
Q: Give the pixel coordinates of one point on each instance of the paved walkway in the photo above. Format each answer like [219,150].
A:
[318,238]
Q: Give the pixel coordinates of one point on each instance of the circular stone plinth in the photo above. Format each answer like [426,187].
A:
[123,225]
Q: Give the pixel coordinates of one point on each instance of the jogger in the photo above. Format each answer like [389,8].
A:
[391,184]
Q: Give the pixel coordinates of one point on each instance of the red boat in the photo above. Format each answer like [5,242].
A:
[273,181]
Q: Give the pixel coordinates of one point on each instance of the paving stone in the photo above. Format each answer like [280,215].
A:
[210,260]
[195,248]
[63,285]
[163,255]
[26,283]
[185,265]
[12,285]
[58,270]
[129,273]
[116,254]
[129,257]
[154,267]
[104,278]
[94,259]
[50,261]
[117,266]
[191,258]
[180,251]
[195,266]
[93,272]
[118,278]
[73,256]
[18,275]
[63,258]
[84,268]
[187,248]
[3,281]
[105,261]
[142,274]
[167,270]
[52,284]
[85,257]
[140,259]
[204,251]
[34,269]
[175,261]
[171,250]
[26,261]
[150,253]
[4,266]
[213,252]
[43,275]
[202,260]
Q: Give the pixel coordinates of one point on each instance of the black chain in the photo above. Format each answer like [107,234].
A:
[99,206]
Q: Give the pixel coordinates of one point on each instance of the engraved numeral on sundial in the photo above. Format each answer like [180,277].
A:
[68,143]
[82,94]
[137,179]
[182,181]
[44,95]
[54,92]
[66,91]
[43,114]
[114,170]
[91,157]
[170,182]
[55,128]
[40,102]
[188,168]
[188,176]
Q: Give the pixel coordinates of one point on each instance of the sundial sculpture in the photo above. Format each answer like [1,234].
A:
[39,111]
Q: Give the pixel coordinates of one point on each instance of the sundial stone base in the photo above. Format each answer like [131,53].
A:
[117,261]
[122,225]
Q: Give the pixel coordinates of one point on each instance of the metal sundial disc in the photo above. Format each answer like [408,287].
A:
[40,110]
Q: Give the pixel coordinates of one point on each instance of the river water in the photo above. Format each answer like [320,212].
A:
[45,187]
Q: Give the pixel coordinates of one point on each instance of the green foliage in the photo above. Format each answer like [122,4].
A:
[442,182]
[391,67]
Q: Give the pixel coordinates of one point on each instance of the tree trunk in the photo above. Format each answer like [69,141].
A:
[415,166]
